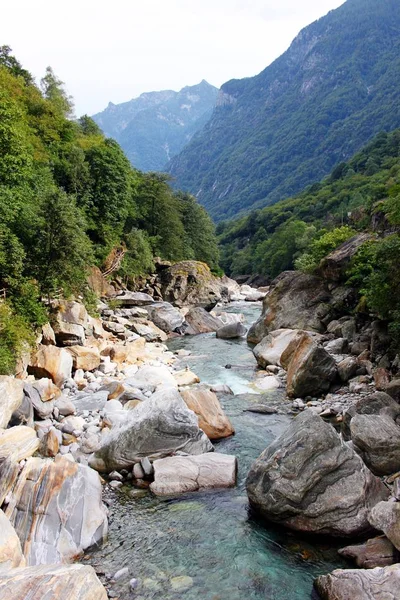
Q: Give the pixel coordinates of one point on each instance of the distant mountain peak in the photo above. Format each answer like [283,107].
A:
[155,126]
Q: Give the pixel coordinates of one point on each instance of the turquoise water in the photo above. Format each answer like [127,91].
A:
[212,537]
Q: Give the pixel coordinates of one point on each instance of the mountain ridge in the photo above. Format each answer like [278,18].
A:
[155,126]
[314,106]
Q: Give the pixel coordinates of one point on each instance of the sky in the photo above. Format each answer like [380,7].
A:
[115,50]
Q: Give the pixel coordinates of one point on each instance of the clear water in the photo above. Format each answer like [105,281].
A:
[212,537]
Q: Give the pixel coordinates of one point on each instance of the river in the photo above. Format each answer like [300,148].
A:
[212,537]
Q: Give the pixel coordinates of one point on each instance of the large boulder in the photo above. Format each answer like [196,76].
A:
[11,396]
[231,331]
[357,584]
[182,474]
[18,443]
[212,419]
[310,480]
[271,348]
[295,301]
[201,321]
[53,362]
[156,377]
[55,582]
[10,547]
[56,510]
[333,267]
[129,353]
[191,283]
[71,320]
[128,299]
[85,357]
[385,516]
[165,316]
[310,370]
[372,404]
[377,439]
[156,428]
[376,552]
[148,330]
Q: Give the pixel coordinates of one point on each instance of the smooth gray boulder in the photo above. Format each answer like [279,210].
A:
[56,510]
[357,584]
[231,331]
[165,316]
[377,439]
[271,348]
[201,321]
[155,428]
[385,516]
[133,299]
[310,480]
[11,396]
[366,405]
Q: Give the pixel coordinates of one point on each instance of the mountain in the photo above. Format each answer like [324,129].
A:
[154,127]
[271,135]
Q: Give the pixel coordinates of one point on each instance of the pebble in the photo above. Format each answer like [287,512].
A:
[121,573]
[115,476]
[147,467]
[115,484]
[133,584]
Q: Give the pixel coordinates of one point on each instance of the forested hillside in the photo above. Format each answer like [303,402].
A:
[156,126]
[271,135]
[69,199]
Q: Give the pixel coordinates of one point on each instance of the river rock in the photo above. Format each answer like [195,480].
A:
[182,474]
[154,376]
[10,547]
[310,480]
[70,324]
[351,584]
[333,266]
[46,389]
[372,404]
[191,283]
[133,299]
[85,357]
[377,439]
[201,321]
[347,368]
[18,443]
[53,362]
[212,419]
[393,389]
[385,516]
[156,428]
[11,396]
[48,335]
[185,377]
[56,510]
[376,552]
[42,410]
[311,370]
[23,415]
[295,301]
[128,353]
[147,330]
[50,444]
[231,331]
[271,348]
[165,316]
[55,582]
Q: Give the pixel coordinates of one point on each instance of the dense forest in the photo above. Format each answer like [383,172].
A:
[69,200]
[360,195]
[329,94]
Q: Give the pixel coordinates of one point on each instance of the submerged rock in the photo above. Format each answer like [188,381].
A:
[354,584]
[180,474]
[309,480]
[155,428]
[55,582]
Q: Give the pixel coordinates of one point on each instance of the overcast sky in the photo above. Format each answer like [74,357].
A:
[117,49]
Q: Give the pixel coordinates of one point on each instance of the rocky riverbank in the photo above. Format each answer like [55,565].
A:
[103,395]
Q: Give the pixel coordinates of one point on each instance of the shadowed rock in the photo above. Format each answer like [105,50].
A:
[355,584]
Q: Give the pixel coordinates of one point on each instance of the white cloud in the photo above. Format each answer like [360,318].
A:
[116,50]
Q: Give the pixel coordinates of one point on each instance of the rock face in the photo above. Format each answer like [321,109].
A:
[53,362]
[200,321]
[165,316]
[56,582]
[271,348]
[18,443]
[373,584]
[156,428]
[212,419]
[295,301]
[309,480]
[180,474]
[311,369]
[56,510]
[11,396]
[190,283]
[385,516]
[10,548]
[71,321]
[231,331]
